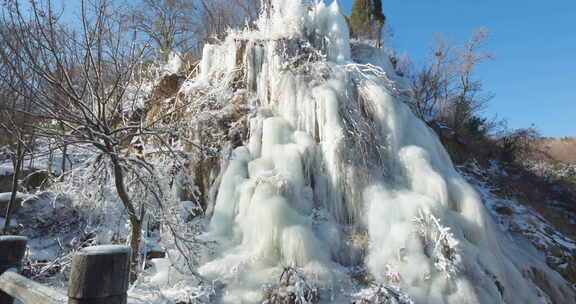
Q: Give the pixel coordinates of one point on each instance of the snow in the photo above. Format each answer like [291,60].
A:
[48,157]
[44,249]
[12,238]
[136,95]
[13,223]
[173,64]
[6,169]
[5,196]
[527,229]
[105,249]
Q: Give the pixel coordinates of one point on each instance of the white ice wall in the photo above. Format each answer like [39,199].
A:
[303,194]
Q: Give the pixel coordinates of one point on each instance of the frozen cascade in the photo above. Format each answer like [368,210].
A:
[338,173]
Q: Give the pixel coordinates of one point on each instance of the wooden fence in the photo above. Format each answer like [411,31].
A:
[99,275]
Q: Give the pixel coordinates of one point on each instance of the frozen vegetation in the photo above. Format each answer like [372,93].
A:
[337,194]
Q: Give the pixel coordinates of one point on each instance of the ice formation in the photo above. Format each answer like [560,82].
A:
[338,174]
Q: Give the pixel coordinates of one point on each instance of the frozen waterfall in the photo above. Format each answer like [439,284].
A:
[338,177]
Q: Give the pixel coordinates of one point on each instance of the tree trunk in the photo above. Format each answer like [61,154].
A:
[135,220]
[64,152]
[17,166]
[135,238]
[379,35]
[63,165]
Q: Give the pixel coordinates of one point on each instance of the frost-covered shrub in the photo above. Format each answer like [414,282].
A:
[517,144]
[551,171]
[439,242]
[380,293]
[292,288]
[47,214]
[56,229]
[182,291]
[90,191]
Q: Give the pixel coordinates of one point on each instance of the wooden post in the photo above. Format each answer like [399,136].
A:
[12,249]
[100,275]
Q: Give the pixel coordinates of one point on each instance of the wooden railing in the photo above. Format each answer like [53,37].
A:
[99,275]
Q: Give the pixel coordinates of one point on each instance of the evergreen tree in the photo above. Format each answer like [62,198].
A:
[367,19]
[360,19]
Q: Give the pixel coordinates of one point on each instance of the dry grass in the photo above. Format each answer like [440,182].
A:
[559,149]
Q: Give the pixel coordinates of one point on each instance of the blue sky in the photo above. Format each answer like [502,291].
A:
[533,73]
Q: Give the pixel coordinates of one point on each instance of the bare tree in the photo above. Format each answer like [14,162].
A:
[11,124]
[186,25]
[217,16]
[169,23]
[432,86]
[469,99]
[445,90]
[84,83]
[13,120]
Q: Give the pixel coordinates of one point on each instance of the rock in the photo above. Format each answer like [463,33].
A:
[163,95]
[504,210]
[155,254]
[33,178]
[36,180]
[168,86]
